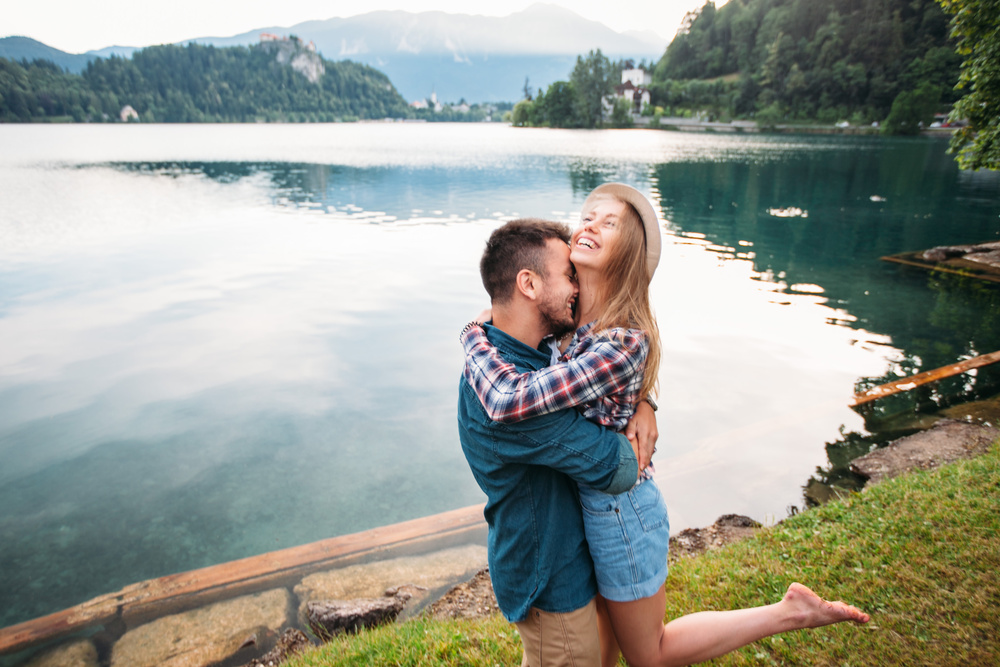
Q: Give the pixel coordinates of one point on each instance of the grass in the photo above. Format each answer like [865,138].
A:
[920,553]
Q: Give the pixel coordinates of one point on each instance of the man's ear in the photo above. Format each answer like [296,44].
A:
[527,283]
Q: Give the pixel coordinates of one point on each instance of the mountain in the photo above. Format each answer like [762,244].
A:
[480,58]
[25,48]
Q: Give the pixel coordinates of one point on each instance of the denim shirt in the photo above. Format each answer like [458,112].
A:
[529,470]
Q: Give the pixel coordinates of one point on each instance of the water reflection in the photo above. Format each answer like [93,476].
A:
[852,211]
[817,223]
[221,341]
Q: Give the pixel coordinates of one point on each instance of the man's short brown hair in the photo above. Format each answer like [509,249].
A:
[519,244]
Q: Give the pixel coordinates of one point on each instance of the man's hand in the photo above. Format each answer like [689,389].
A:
[484,316]
[642,433]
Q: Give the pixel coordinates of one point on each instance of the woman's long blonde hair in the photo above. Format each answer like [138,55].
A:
[625,292]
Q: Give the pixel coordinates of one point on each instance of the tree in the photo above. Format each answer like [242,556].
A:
[521,113]
[592,80]
[975,27]
[621,114]
[912,109]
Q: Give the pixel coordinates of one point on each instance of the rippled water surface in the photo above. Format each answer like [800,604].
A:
[216,341]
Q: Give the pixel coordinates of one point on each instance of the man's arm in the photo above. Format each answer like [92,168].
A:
[565,441]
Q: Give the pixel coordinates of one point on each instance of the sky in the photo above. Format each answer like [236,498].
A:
[76,27]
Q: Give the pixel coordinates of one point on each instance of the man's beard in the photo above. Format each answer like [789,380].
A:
[556,323]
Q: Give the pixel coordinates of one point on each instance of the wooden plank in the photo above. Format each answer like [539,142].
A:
[244,571]
[914,381]
[981,273]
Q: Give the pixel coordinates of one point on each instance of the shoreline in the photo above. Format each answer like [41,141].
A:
[467,594]
[460,593]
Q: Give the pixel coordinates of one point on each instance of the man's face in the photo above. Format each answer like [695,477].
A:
[559,289]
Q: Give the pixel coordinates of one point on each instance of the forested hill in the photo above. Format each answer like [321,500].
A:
[813,58]
[279,80]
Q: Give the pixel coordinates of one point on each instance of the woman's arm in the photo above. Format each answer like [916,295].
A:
[606,367]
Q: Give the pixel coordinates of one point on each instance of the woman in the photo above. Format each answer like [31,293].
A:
[611,364]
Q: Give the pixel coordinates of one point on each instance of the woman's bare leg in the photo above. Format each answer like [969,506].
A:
[609,645]
[644,640]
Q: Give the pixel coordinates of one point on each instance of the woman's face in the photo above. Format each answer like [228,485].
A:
[599,231]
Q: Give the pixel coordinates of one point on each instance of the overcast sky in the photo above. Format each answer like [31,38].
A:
[77,26]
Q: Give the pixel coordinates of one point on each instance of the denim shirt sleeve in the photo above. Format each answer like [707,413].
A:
[566,441]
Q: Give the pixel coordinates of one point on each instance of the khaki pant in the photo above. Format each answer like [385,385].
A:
[561,640]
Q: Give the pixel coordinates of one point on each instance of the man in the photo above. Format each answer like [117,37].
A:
[540,566]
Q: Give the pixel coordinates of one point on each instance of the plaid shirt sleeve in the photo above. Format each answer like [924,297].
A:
[606,367]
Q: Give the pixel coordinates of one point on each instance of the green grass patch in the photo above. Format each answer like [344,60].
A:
[920,553]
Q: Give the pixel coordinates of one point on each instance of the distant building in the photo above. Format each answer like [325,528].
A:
[635,95]
[128,113]
[428,103]
[638,76]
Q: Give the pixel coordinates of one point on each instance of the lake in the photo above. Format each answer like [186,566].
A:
[221,340]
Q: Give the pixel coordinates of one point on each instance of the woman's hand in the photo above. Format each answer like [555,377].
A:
[642,432]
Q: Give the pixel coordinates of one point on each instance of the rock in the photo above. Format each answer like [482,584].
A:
[942,253]
[991,258]
[431,572]
[727,529]
[329,618]
[986,411]
[291,642]
[206,635]
[821,493]
[471,599]
[947,441]
[76,653]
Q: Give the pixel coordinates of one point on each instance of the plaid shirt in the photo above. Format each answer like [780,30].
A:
[600,374]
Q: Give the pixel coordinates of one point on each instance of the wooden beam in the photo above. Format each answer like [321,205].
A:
[914,381]
[979,272]
[234,574]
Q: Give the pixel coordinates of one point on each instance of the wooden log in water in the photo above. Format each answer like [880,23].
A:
[914,381]
[234,575]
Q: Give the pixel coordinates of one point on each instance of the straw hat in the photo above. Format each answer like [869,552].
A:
[650,223]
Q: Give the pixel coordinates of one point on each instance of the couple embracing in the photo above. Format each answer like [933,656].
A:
[556,420]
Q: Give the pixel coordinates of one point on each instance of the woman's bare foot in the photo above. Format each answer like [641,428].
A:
[808,610]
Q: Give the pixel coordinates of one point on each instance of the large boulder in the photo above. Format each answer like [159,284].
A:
[204,636]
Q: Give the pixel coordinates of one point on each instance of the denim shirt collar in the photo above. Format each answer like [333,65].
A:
[515,351]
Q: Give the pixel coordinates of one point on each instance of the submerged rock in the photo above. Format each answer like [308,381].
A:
[430,572]
[204,636]
[947,441]
[986,411]
[76,653]
[820,493]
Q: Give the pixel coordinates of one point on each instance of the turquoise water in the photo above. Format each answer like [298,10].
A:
[216,341]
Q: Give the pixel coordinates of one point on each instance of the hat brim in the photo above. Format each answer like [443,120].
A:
[650,222]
